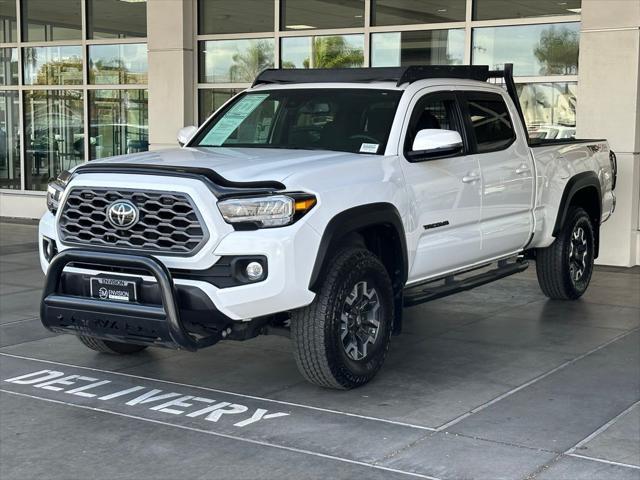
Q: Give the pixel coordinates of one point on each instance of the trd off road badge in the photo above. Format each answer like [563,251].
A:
[172,403]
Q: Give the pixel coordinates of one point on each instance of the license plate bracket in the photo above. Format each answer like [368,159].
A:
[114,288]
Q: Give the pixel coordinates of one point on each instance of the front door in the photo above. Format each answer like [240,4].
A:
[444,192]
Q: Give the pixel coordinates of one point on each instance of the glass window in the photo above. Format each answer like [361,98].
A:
[307,14]
[408,12]
[232,16]
[54,134]
[432,112]
[118,64]
[9,140]
[9,66]
[336,51]
[348,120]
[52,65]
[429,47]
[498,9]
[8,22]
[228,61]
[51,20]
[533,49]
[490,121]
[549,109]
[211,100]
[118,122]
[116,19]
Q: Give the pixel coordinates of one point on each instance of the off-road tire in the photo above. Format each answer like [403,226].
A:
[114,348]
[553,263]
[316,330]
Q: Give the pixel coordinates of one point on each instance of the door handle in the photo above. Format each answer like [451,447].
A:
[471,178]
[522,169]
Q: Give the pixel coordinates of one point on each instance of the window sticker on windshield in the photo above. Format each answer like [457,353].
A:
[232,119]
[369,148]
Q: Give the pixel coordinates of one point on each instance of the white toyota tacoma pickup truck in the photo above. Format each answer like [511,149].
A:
[317,204]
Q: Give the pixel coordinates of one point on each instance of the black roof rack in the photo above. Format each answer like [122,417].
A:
[399,75]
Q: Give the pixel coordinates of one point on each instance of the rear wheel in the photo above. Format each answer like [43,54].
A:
[564,268]
[106,346]
[340,341]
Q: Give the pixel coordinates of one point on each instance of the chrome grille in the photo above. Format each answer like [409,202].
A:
[168,223]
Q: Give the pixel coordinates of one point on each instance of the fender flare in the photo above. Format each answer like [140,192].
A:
[353,220]
[574,185]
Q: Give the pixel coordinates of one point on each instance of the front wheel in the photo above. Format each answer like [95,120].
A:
[340,341]
[564,268]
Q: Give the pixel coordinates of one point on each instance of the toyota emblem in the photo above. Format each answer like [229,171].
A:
[122,214]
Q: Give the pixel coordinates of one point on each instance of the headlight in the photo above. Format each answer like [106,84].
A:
[55,189]
[265,212]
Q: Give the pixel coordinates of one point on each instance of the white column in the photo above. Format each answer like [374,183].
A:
[609,107]
[170,36]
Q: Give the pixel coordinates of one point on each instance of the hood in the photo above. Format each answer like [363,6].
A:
[237,164]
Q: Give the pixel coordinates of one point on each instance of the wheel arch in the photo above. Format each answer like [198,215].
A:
[373,224]
[583,190]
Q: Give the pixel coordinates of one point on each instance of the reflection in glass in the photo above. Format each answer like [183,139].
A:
[430,47]
[228,61]
[9,66]
[54,136]
[118,64]
[307,14]
[8,23]
[409,12]
[53,65]
[116,19]
[118,122]
[549,109]
[533,49]
[498,9]
[9,140]
[211,100]
[235,16]
[336,51]
[346,120]
[51,20]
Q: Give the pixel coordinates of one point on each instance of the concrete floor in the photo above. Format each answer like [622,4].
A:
[495,383]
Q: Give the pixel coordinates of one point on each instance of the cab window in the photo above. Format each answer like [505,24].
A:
[490,121]
[433,111]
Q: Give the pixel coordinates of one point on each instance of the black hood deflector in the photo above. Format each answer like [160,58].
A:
[220,186]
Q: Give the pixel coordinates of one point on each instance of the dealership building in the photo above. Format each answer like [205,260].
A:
[87,79]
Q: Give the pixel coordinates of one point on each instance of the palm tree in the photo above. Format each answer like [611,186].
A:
[248,64]
[333,52]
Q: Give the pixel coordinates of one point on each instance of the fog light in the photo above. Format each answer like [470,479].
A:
[254,271]
[49,248]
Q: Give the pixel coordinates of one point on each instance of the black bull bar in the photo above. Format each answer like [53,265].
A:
[126,322]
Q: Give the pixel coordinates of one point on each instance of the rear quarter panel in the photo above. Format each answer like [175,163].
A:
[555,166]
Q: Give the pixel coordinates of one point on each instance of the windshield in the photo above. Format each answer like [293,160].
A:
[346,120]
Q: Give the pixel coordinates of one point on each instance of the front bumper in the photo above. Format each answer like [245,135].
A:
[159,323]
[287,252]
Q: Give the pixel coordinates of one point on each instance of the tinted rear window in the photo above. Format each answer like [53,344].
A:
[491,122]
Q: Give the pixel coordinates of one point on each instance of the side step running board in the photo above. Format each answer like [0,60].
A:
[442,287]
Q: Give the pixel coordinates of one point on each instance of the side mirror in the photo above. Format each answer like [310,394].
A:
[185,134]
[435,142]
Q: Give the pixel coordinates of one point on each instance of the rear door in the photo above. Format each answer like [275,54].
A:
[507,172]
[445,192]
